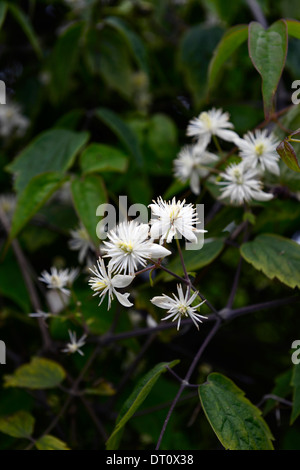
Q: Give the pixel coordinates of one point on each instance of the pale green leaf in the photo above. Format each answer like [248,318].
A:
[40,373]
[19,425]
[49,442]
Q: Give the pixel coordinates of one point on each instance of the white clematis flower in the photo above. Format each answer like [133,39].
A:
[209,123]
[59,279]
[129,247]
[81,242]
[242,184]
[258,150]
[74,345]
[180,306]
[192,164]
[173,218]
[103,283]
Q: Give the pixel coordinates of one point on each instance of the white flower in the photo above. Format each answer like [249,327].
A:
[8,204]
[209,123]
[81,242]
[59,279]
[12,121]
[74,345]
[103,283]
[173,218]
[191,164]
[130,247]
[242,184]
[180,306]
[40,314]
[258,150]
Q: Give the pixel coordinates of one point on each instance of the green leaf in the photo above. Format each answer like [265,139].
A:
[275,256]
[123,131]
[40,373]
[282,389]
[293,28]
[67,46]
[132,39]
[235,420]
[49,442]
[12,284]
[194,259]
[195,51]
[288,155]
[53,150]
[267,50]
[101,158]
[3,10]
[88,193]
[295,382]
[231,40]
[19,424]
[135,400]
[34,196]
[25,24]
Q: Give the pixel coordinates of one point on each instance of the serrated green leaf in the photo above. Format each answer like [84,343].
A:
[19,425]
[235,420]
[123,131]
[25,24]
[231,40]
[267,50]
[194,259]
[275,256]
[133,41]
[53,150]
[40,373]
[295,382]
[137,397]
[88,193]
[34,196]
[102,158]
[49,442]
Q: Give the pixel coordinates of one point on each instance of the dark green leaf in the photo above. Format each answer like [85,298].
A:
[66,47]
[296,393]
[18,425]
[235,420]
[53,150]
[3,10]
[231,40]
[34,196]
[123,131]
[40,373]
[194,259]
[267,50]
[25,24]
[88,193]
[137,397]
[132,39]
[101,158]
[12,284]
[275,256]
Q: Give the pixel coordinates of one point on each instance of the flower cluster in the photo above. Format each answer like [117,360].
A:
[242,181]
[12,121]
